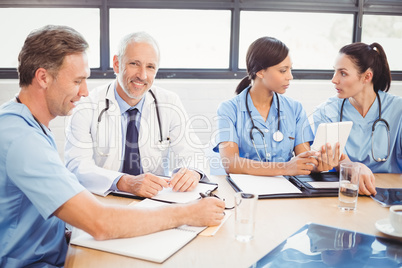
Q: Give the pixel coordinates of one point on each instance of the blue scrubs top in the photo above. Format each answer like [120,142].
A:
[33,184]
[358,146]
[234,125]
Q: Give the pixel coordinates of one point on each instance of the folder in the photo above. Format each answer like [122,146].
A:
[324,184]
[316,245]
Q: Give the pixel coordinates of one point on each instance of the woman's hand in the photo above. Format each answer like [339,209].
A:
[328,159]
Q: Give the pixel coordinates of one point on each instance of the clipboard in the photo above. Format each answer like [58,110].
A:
[168,196]
[305,185]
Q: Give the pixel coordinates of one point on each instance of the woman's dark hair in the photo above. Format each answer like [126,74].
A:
[261,54]
[370,56]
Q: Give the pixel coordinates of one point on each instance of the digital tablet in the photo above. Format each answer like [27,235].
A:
[332,133]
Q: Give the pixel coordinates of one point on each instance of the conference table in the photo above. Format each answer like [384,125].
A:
[276,219]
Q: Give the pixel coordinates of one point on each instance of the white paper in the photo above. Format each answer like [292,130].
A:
[167,194]
[156,247]
[262,185]
[324,184]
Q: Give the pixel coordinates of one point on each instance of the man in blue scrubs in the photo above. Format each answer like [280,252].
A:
[37,193]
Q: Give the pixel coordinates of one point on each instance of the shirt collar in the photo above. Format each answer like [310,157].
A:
[242,98]
[124,105]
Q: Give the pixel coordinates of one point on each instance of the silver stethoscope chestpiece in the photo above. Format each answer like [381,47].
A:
[278,136]
[163,145]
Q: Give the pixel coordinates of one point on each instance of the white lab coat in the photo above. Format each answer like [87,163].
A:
[96,158]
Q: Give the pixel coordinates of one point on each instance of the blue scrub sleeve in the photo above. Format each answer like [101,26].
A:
[227,118]
[35,167]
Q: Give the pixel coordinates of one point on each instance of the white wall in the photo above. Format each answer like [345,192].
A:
[201,99]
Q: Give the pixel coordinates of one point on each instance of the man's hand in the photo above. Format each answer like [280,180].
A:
[184,180]
[206,212]
[145,185]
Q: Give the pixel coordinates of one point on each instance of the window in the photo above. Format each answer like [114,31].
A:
[186,38]
[387,31]
[313,39]
[209,38]
[17,19]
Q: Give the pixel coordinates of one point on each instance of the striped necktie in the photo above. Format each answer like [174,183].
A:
[132,161]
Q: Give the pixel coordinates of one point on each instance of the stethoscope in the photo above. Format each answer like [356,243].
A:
[277,136]
[37,121]
[379,159]
[162,144]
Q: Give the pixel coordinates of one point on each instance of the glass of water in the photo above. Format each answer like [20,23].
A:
[245,207]
[348,185]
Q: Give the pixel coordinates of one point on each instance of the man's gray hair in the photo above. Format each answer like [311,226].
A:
[137,37]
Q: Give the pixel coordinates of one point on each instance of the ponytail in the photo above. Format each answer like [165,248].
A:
[382,74]
[244,83]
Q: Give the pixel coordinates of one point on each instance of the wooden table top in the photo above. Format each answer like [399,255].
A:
[276,220]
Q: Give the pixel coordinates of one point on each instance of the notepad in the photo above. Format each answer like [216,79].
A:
[264,185]
[156,247]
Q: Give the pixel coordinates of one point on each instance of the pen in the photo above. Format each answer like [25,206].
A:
[212,195]
[209,195]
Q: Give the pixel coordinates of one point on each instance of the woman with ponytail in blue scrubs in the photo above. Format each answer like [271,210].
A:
[362,79]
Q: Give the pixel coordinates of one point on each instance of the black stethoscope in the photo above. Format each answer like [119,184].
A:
[379,159]
[277,136]
[37,121]
[162,145]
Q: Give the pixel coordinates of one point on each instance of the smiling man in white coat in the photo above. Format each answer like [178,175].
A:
[130,135]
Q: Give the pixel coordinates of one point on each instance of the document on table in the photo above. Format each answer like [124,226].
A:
[324,184]
[263,185]
[155,247]
[168,195]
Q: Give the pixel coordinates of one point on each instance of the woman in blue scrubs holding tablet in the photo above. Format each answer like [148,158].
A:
[260,129]
[362,79]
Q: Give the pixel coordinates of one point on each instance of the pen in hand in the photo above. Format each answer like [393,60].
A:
[212,195]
